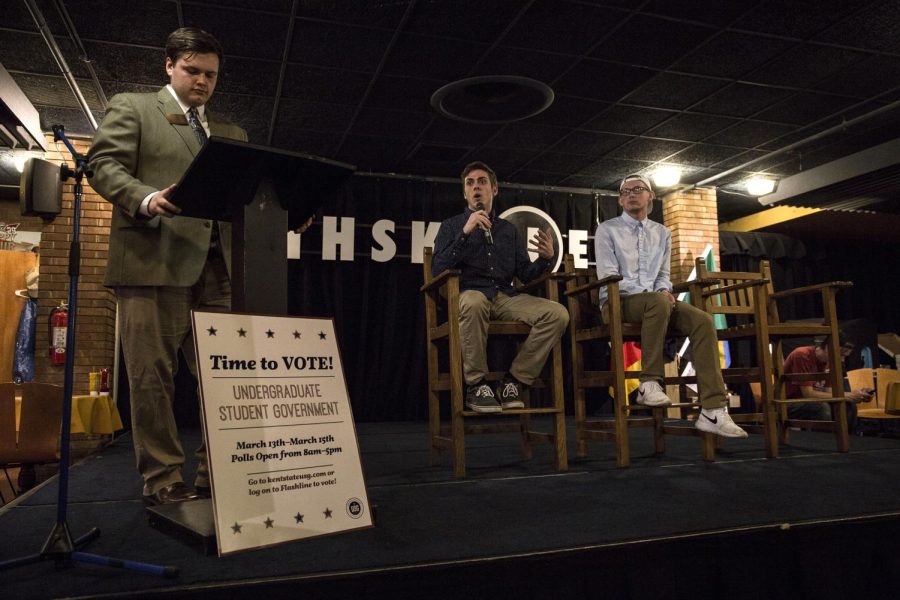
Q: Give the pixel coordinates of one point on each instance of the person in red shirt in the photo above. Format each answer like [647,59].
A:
[814,359]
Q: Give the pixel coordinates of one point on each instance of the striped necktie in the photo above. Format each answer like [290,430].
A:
[194,119]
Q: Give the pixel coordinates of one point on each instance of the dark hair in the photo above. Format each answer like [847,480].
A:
[192,40]
[473,166]
[822,341]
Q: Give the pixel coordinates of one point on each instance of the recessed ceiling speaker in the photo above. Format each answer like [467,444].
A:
[492,99]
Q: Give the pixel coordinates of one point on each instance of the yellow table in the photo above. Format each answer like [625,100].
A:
[90,414]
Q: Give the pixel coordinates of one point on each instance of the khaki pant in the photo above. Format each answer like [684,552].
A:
[548,320]
[653,311]
[155,323]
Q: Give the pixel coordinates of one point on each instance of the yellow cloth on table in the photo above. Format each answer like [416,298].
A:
[95,414]
[90,414]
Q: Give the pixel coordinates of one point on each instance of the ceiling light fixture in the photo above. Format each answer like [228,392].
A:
[760,186]
[667,176]
[492,99]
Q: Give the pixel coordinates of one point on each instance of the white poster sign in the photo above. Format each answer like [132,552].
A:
[283,454]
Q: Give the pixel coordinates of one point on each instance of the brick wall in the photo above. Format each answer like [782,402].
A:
[693,218]
[95,328]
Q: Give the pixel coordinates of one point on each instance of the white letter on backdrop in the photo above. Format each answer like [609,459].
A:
[578,247]
[388,248]
[331,238]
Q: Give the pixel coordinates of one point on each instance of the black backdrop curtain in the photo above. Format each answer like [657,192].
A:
[874,269]
[871,306]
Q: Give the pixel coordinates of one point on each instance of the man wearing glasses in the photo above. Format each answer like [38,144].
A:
[814,359]
[638,249]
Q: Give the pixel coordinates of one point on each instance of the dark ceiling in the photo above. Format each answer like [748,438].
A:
[709,85]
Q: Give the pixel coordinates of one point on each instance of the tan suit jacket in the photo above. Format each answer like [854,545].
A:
[143,145]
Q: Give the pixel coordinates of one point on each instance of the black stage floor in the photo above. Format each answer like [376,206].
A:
[813,523]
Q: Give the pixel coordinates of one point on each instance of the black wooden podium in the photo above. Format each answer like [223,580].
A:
[264,193]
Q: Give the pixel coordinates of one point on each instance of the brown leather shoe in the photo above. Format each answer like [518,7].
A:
[172,493]
[203,491]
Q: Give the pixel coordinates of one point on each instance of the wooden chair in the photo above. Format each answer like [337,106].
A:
[741,298]
[750,300]
[35,438]
[886,383]
[892,399]
[586,328]
[445,381]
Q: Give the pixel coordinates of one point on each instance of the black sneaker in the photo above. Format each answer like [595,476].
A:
[509,391]
[480,398]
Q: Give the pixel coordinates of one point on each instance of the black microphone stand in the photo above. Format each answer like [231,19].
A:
[59,546]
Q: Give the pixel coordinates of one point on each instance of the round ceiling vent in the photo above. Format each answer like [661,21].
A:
[492,99]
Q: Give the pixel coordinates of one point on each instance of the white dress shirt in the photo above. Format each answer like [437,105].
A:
[639,251]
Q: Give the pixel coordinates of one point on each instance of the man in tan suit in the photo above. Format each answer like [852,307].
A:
[162,265]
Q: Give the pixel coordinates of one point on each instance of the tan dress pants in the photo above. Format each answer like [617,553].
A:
[548,320]
[155,323]
[653,311]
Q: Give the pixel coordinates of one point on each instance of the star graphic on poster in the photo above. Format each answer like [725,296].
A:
[296,335]
[270,334]
[212,330]
[242,332]
[298,518]
[236,528]
[327,513]
[322,335]
[268,522]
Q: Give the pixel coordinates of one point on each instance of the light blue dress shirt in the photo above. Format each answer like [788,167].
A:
[639,251]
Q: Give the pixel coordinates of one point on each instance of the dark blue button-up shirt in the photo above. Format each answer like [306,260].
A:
[486,268]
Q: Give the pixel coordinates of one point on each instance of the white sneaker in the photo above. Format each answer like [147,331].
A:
[651,393]
[719,422]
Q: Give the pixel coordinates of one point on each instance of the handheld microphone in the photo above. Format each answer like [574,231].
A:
[487,232]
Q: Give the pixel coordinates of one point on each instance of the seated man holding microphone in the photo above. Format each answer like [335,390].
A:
[490,252]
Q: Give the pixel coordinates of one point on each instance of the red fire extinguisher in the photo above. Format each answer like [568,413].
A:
[59,326]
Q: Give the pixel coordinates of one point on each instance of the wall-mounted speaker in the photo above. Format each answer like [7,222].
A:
[40,189]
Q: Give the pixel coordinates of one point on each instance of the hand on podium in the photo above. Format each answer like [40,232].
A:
[160,205]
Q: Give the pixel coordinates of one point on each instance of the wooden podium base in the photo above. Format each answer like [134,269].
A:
[188,522]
